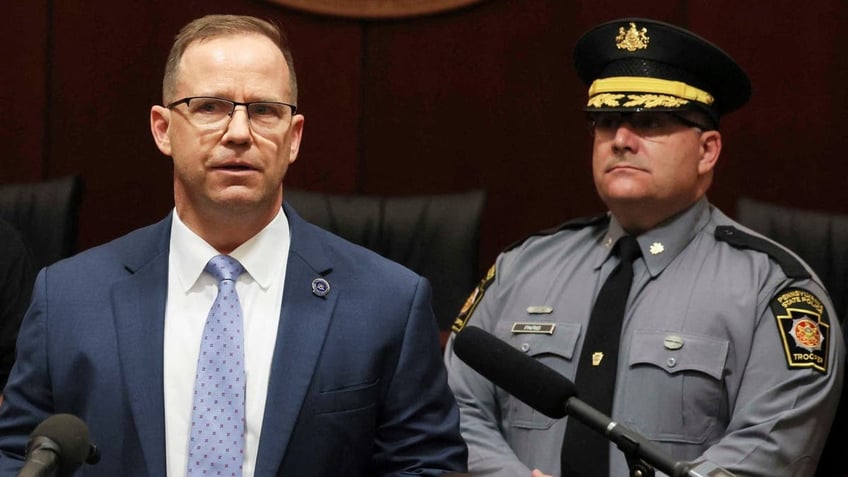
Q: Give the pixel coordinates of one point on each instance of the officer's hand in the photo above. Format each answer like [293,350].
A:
[539,473]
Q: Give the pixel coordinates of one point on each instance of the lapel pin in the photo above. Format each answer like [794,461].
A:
[320,287]
[657,248]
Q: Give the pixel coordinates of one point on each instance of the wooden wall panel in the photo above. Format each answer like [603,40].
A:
[481,97]
[785,145]
[105,73]
[23,102]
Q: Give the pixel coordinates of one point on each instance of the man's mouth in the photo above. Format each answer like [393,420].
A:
[236,167]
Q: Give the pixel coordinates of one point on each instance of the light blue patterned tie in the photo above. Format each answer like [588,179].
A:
[216,445]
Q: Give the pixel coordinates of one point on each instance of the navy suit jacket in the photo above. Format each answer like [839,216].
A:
[357,383]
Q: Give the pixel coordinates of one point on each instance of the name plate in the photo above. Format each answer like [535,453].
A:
[537,328]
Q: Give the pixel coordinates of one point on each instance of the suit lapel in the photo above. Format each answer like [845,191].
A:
[304,320]
[138,303]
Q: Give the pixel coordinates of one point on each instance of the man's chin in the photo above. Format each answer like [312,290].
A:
[624,197]
[238,200]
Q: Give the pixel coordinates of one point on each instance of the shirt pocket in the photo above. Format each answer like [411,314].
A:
[673,388]
[555,350]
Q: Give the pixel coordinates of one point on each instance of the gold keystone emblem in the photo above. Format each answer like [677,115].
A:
[632,39]
[597,357]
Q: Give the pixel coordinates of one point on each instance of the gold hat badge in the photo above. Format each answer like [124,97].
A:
[632,39]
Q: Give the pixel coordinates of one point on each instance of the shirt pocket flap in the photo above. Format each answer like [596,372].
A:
[560,342]
[676,352]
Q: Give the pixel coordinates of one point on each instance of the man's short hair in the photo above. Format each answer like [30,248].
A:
[216,26]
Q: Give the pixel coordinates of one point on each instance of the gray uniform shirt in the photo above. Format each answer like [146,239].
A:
[708,368]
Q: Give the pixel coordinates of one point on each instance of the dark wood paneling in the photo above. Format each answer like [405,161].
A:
[104,72]
[106,69]
[484,96]
[23,102]
[485,99]
[786,145]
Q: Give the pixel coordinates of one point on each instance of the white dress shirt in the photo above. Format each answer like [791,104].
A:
[191,292]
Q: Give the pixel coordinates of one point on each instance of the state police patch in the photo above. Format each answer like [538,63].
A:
[472,301]
[805,328]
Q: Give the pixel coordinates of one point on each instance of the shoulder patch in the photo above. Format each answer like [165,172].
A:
[472,301]
[791,266]
[804,328]
[572,224]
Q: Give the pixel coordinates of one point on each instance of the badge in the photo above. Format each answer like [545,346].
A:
[804,328]
[632,39]
[320,287]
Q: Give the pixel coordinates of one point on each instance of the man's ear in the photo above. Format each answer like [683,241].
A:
[160,120]
[710,150]
[296,134]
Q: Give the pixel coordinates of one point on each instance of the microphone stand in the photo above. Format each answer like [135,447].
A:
[638,467]
[642,455]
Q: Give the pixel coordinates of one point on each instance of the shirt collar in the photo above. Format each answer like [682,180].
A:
[664,242]
[260,256]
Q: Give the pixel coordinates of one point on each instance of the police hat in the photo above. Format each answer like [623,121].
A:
[637,64]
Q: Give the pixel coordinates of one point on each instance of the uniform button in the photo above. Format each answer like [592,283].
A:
[672,362]
[525,347]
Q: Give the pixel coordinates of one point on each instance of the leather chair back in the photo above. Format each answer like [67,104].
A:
[821,239]
[437,236]
[46,213]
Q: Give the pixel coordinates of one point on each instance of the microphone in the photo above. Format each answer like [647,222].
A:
[555,396]
[58,446]
[535,384]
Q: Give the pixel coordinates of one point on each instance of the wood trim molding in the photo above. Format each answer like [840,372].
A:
[375,9]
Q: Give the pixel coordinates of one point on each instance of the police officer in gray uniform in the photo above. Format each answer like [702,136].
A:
[730,352]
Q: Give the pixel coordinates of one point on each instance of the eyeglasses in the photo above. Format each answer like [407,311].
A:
[643,123]
[215,113]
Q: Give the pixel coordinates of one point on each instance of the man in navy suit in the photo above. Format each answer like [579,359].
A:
[341,352]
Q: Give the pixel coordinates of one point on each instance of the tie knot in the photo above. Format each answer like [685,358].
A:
[224,267]
[628,249]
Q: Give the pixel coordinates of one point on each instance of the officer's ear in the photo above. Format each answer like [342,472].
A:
[710,149]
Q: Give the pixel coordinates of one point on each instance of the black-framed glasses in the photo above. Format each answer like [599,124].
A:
[644,123]
[215,113]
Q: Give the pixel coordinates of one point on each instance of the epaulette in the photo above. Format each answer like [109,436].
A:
[572,224]
[478,292]
[792,267]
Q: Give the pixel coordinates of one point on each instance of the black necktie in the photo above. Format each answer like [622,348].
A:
[585,453]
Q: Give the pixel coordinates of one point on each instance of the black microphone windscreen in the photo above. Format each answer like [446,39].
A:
[70,433]
[535,384]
